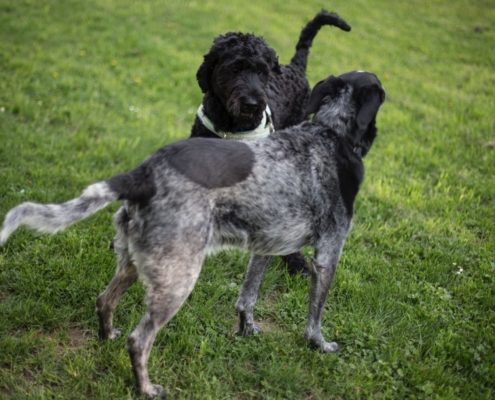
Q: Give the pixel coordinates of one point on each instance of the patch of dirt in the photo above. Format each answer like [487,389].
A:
[4,297]
[73,339]
[268,326]
[78,338]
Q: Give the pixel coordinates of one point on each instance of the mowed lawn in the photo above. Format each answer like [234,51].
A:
[90,88]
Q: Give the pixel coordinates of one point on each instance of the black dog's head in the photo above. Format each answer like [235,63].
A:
[236,70]
[349,104]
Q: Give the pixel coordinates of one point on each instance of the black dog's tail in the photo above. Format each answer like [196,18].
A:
[135,186]
[309,32]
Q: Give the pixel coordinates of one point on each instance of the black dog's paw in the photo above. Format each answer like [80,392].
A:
[296,264]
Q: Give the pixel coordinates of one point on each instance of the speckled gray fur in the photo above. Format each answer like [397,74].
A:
[298,191]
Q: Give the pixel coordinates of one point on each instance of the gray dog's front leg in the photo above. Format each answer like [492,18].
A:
[321,279]
[322,272]
[249,295]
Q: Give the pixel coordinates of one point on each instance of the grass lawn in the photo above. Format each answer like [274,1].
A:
[90,88]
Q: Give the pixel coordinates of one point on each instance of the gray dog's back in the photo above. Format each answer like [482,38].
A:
[260,196]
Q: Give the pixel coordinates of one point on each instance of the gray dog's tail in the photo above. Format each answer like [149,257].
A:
[309,32]
[135,186]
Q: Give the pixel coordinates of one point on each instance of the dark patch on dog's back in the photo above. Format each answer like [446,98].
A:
[350,171]
[211,163]
[136,186]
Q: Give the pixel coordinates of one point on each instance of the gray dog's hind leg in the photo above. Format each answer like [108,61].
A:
[139,346]
[107,301]
[249,294]
[168,284]
[322,273]
[125,276]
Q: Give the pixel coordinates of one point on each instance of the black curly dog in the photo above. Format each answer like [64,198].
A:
[241,76]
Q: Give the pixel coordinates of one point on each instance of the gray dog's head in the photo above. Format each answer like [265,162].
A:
[348,104]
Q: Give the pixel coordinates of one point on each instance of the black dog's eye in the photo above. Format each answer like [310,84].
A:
[262,68]
[264,78]
[236,67]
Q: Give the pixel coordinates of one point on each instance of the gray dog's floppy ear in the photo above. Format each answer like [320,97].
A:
[323,88]
[315,97]
[370,98]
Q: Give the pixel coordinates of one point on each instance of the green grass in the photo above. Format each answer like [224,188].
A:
[90,88]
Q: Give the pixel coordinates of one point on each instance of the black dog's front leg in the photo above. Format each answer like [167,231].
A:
[296,264]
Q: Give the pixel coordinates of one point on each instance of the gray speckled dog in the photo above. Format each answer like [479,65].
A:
[270,196]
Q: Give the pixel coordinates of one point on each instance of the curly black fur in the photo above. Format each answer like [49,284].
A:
[241,74]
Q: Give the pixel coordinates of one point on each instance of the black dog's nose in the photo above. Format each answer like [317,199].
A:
[249,105]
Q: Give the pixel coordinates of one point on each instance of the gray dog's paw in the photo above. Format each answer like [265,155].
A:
[115,334]
[249,330]
[317,342]
[329,347]
[154,391]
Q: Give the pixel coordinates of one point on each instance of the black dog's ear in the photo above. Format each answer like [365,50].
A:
[323,88]
[272,58]
[370,100]
[205,71]
[276,67]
